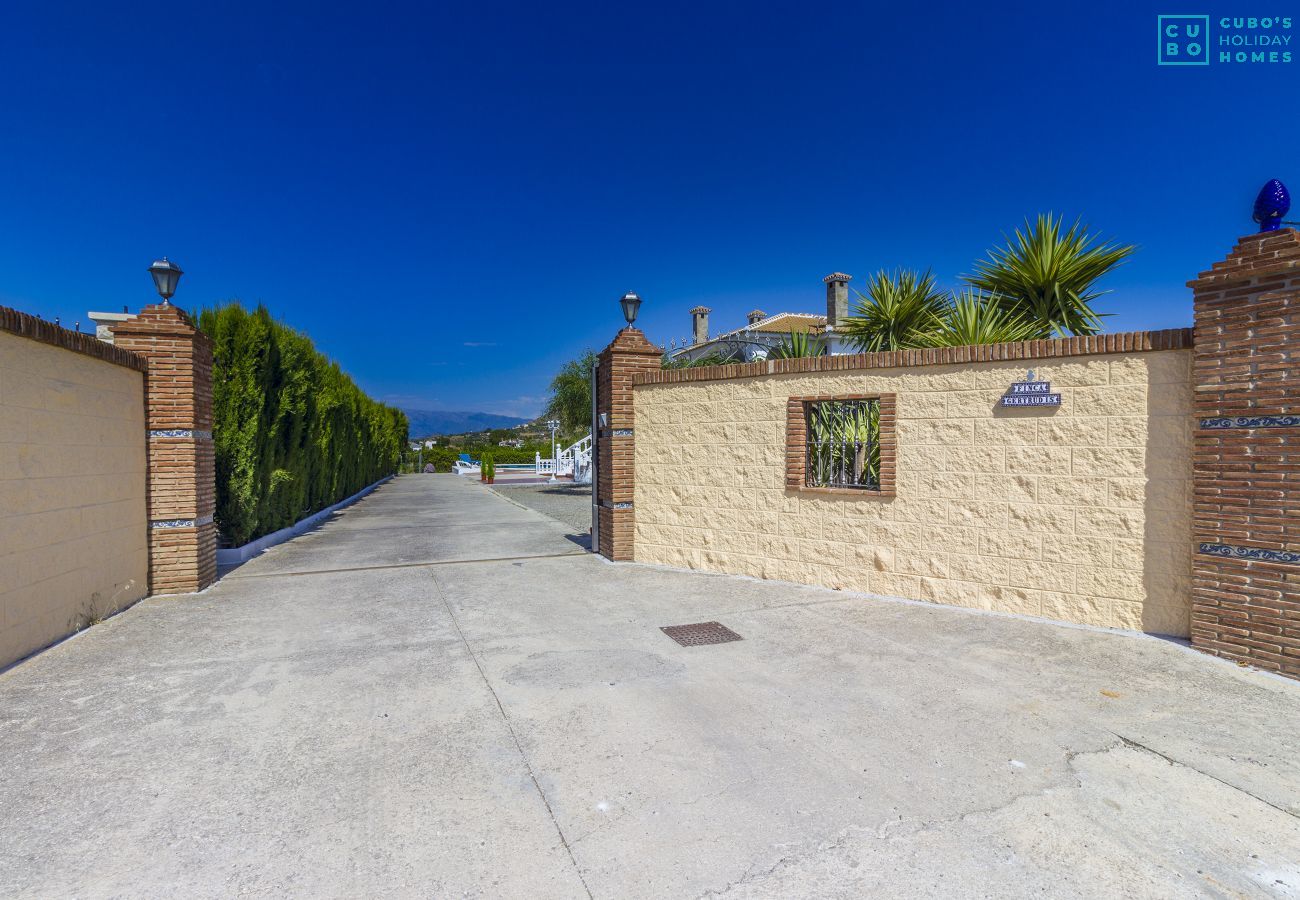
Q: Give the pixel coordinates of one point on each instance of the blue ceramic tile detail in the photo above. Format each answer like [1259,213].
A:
[1255,553]
[622,432]
[180,433]
[1251,422]
[181,523]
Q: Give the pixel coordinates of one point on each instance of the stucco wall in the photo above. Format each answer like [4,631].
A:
[1080,513]
[73,534]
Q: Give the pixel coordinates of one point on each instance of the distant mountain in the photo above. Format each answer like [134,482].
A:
[426,422]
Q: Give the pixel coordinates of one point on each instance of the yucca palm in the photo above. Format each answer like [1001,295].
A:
[897,311]
[972,318]
[798,346]
[1049,278]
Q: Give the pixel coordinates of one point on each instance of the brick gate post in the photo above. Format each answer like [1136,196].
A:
[630,353]
[1246,569]
[182,476]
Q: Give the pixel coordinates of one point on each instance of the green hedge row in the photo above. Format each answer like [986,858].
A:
[293,433]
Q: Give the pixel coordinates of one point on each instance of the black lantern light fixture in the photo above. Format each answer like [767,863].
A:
[630,303]
[165,274]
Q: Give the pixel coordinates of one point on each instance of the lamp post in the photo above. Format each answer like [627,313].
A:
[165,274]
[554,425]
[630,303]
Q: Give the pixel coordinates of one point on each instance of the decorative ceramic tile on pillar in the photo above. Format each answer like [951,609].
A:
[629,354]
[178,413]
[1246,589]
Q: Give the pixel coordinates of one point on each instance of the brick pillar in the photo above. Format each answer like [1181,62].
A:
[1246,569]
[628,354]
[178,414]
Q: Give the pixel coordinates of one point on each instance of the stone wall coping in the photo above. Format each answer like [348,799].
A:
[632,340]
[160,320]
[1090,345]
[28,326]
[1255,255]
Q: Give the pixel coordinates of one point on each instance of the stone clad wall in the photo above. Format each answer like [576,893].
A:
[73,536]
[106,471]
[1081,513]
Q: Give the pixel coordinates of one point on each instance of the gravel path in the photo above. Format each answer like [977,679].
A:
[567,503]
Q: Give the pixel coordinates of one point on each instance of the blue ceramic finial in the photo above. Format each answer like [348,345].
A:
[1273,202]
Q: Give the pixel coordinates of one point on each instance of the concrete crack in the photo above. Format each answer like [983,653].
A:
[750,875]
[1129,742]
[894,829]
[1070,757]
[899,828]
[513,734]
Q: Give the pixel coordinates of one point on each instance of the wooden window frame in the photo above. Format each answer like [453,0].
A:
[796,446]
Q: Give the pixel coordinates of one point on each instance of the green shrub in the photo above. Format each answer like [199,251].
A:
[293,433]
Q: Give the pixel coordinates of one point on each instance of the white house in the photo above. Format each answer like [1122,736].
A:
[763,333]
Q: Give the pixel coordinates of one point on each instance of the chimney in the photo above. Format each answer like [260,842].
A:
[700,324]
[837,298]
[756,316]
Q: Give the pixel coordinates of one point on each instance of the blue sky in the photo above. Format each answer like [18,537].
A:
[450,198]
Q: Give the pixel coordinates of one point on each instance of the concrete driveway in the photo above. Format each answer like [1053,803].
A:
[438,694]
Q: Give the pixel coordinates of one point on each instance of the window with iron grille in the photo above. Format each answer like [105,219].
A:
[842,448]
[843,444]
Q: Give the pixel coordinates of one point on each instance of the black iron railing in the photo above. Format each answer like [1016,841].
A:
[843,448]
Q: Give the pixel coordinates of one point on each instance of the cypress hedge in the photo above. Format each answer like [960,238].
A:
[293,433]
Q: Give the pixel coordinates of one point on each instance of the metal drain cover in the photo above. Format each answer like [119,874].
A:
[700,633]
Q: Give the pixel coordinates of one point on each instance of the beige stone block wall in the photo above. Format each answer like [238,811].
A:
[73,535]
[1081,513]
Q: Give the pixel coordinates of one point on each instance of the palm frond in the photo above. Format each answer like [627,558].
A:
[897,312]
[570,399]
[798,346]
[972,318]
[1049,277]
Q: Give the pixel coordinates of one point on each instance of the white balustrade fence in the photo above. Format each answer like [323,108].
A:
[574,461]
